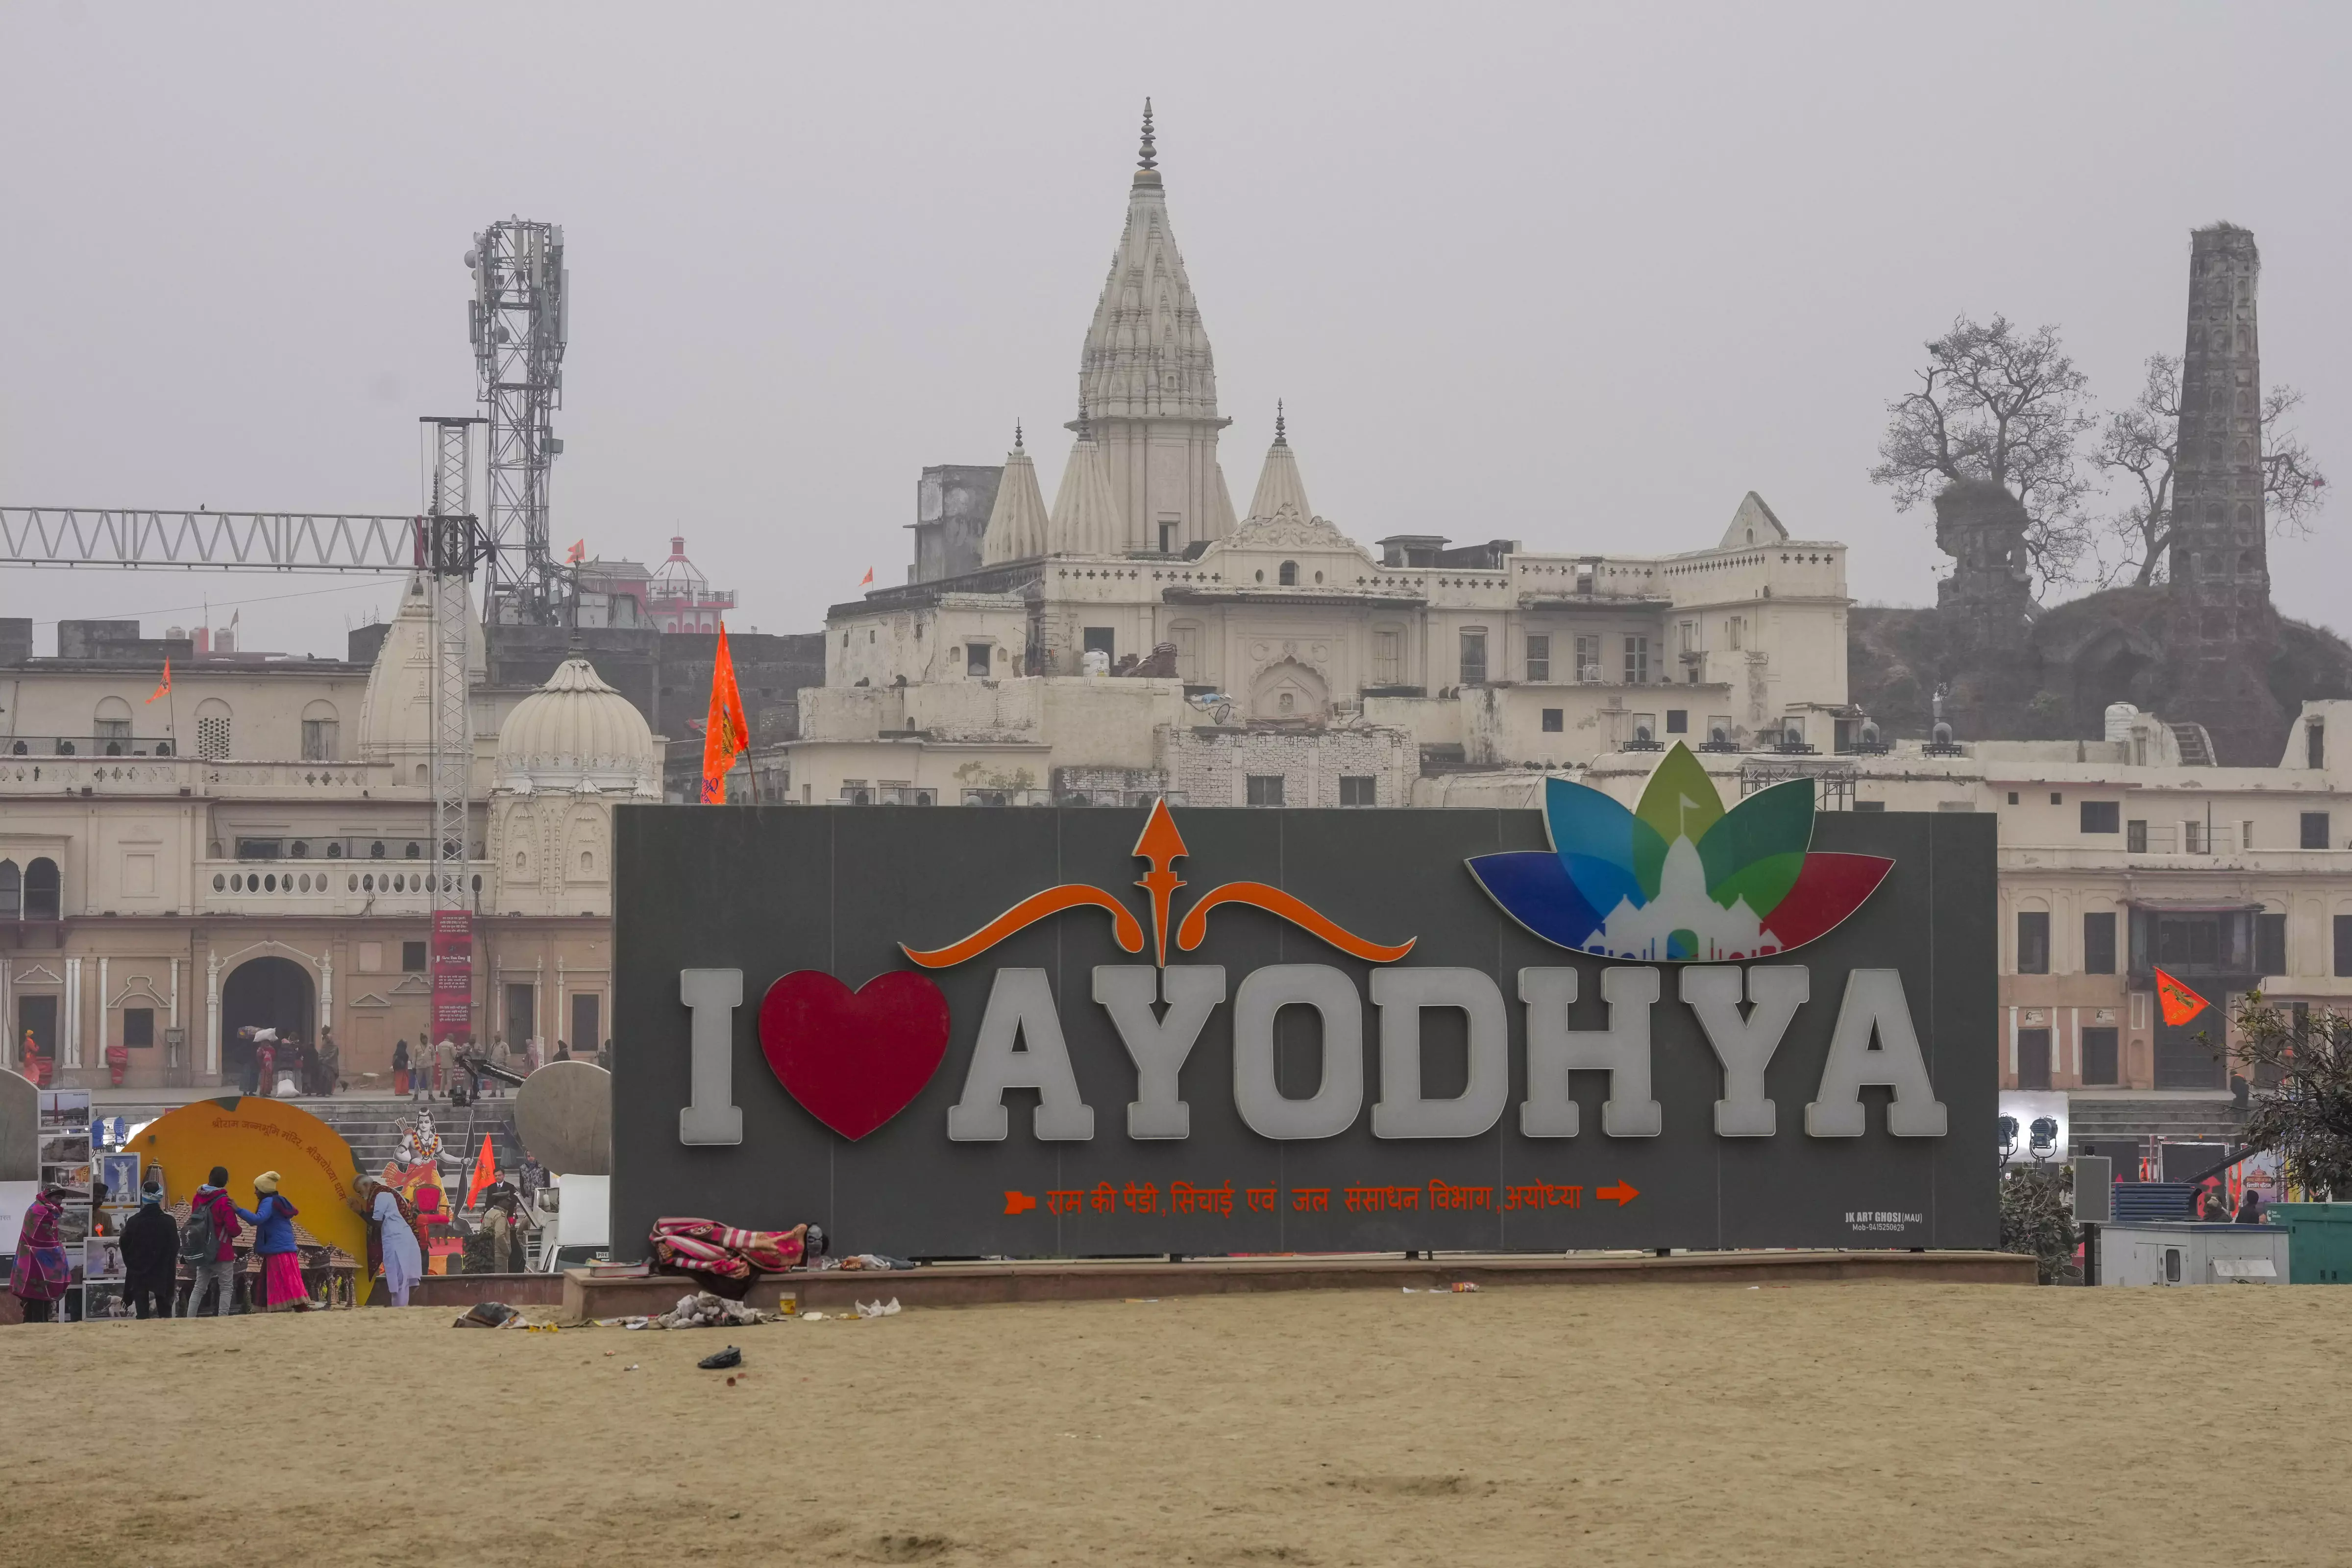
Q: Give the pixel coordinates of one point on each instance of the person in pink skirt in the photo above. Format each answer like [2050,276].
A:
[273,1243]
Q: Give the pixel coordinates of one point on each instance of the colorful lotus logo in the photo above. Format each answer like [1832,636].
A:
[1679,879]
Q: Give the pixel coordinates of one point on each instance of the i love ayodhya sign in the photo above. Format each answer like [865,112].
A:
[958,1032]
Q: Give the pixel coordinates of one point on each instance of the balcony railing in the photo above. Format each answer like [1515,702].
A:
[323,888]
[33,775]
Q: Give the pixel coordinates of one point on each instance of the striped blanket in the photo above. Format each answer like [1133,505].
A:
[706,1246]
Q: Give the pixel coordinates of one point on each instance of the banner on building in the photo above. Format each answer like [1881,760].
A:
[970,1031]
[452,974]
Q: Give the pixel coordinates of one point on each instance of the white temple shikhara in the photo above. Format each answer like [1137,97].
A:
[1272,658]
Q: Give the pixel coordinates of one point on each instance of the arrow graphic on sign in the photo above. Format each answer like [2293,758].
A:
[1019,1202]
[1624,1193]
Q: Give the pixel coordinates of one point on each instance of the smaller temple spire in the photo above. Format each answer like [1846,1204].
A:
[1280,490]
[1016,523]
[1146,158]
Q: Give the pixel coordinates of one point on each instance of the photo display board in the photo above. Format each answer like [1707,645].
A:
[976,1031]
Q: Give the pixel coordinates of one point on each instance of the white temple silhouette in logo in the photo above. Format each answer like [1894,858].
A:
[1682,905]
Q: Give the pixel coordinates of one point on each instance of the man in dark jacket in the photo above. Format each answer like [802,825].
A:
[151,1256]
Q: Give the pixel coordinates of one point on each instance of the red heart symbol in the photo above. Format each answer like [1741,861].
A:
[855,1058]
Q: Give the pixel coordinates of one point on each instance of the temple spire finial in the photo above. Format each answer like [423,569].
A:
[1146,158]
[1281,431]
[1016,434]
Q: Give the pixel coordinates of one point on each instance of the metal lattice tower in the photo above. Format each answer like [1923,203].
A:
[519,320]
[449,544]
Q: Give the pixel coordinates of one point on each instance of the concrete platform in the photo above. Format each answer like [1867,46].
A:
[1097,1279]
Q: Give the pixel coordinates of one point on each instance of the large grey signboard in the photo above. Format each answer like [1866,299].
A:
[954,1032]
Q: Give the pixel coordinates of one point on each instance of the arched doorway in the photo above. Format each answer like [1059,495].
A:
[269,993]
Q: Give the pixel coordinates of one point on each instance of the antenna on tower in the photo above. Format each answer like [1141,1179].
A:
[519,320]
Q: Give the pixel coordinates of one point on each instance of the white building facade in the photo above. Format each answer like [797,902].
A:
[249,849]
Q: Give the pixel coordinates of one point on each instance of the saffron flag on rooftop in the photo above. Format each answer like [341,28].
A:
[167,682]
[2179,1002]
[725,734]
[868,578]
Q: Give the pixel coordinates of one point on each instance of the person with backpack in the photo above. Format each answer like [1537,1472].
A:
[151,1256]
[208,1244]
[272,1218]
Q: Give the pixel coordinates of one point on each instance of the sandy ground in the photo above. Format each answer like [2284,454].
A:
[1672,1424]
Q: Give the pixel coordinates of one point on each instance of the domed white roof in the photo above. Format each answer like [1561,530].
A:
[577,732]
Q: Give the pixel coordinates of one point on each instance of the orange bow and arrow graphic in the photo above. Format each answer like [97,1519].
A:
[1161,847]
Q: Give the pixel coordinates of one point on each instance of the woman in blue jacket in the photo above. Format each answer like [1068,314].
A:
[272,1219]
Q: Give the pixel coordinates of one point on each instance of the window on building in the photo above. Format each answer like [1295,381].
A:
[2057,799]
[1688,632]
[260,848]
[213,730]
[976,658]
[113,737]
[1677,721]
[1584,572]
[1170,526]
[1099,639]
[2135,837]
[412,958]
[1474,657]
[2012,797]
[1637,661]
[1385,657]
[1540,658]
[139,1027]
[2101,815]
[2315,830]
[2099,943]
[1358,789]
[1735,633]
[2315,744]
[12,891]
[2099,1056]
[318,740]
[2033,941]
[1287,574]
[1588,658]
[1553,720]
[2342,945]
[44,890]
[2270,944]
[1265,789]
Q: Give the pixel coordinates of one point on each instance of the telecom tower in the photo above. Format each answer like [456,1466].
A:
[519,320]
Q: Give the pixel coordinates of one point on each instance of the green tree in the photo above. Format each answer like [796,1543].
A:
[2300,1107]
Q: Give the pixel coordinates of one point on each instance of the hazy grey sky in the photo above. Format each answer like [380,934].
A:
[1576,275]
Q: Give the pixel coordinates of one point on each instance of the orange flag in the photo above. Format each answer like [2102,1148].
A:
[725,734]
[862,582]
[578,552]
[167,682]
[485,1171]
[2179,1002]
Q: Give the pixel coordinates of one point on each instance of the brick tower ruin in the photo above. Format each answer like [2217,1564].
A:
[2222,630]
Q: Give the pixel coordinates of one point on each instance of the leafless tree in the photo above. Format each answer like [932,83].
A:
[2000,405]
[2138,449]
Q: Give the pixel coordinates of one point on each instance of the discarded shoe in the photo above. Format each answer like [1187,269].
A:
[724,1358]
